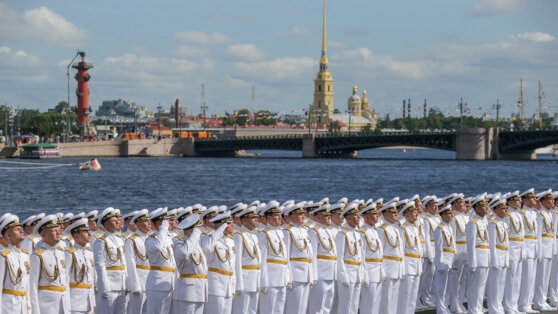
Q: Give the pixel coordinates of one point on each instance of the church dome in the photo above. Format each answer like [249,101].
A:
[355,98]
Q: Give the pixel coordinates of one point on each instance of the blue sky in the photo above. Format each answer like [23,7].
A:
[153,52]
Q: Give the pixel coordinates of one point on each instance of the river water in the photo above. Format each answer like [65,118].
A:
[136,183]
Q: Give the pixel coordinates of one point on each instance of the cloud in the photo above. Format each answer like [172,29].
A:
[132,71]
[189,51]
[39,24]
[536,37]
[201,38]
[280,69]
[409,69]
[245,52]
[297,31]
[355,32]
[19,58]
[492,7]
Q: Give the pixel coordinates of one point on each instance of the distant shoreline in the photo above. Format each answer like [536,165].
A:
[401,147]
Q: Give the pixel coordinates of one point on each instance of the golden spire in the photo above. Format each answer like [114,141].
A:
[323,59]
[324,31]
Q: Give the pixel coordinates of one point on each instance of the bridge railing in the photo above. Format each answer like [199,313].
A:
[326,135]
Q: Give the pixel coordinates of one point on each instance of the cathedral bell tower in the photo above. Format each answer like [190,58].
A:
[321,110]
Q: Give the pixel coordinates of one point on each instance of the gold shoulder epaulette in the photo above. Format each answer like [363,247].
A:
[441,226]
[5,252]
[234,232]
[523,211]
[345,231]
[556,211]
[59,248]
[438,215]
[104,236]
[240,232]
[330,227]
[508,213]
[426,217]
[178,236]
[134,236]
[265,230]
[229,236]
[404,226]
[70,238]
[125,234]
[475,220]
[97,235]
[31,237]
[363,229]
[384,226]
[72,250]
[25,251]
[88,248]
[422,215]
[205,232]
[288,227]
[153,235]
[316,227]
[40,251]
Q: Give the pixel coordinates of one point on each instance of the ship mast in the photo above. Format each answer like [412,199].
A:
[540,105]
[521,99]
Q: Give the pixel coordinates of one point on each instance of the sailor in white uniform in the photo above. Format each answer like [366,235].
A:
[14,269]
[248,263]
[444,252]
[28,225]
[412,261]
[516,235]
[478,255]
[300,254]
[431,221]
[95,231]
[130,227]
[499,257]
[162,265]
[553,284]
[80,268]
[275,271]
[529,267]
[372,252]
[545,251]
[324,256]
[221,255]
[48,284]
[458,275]
[392,263]
[190,291]
[350,271]
[137,264]
[110,265]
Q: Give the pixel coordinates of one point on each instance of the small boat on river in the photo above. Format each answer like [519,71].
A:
[39,151]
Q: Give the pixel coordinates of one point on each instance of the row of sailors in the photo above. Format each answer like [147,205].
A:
[290,258]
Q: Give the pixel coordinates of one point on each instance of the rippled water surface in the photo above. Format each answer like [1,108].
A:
[135,183]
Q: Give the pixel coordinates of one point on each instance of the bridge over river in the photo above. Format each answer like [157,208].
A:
[469,144]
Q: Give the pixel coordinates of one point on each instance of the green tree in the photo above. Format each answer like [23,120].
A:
[242,117]
[334,127]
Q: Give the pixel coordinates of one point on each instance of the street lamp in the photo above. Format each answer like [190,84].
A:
[68,111]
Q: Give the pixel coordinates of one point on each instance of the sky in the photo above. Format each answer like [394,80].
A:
[152,52]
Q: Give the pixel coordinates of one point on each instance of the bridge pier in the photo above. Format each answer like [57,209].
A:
[309,146]
[475,144]
[187,146]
